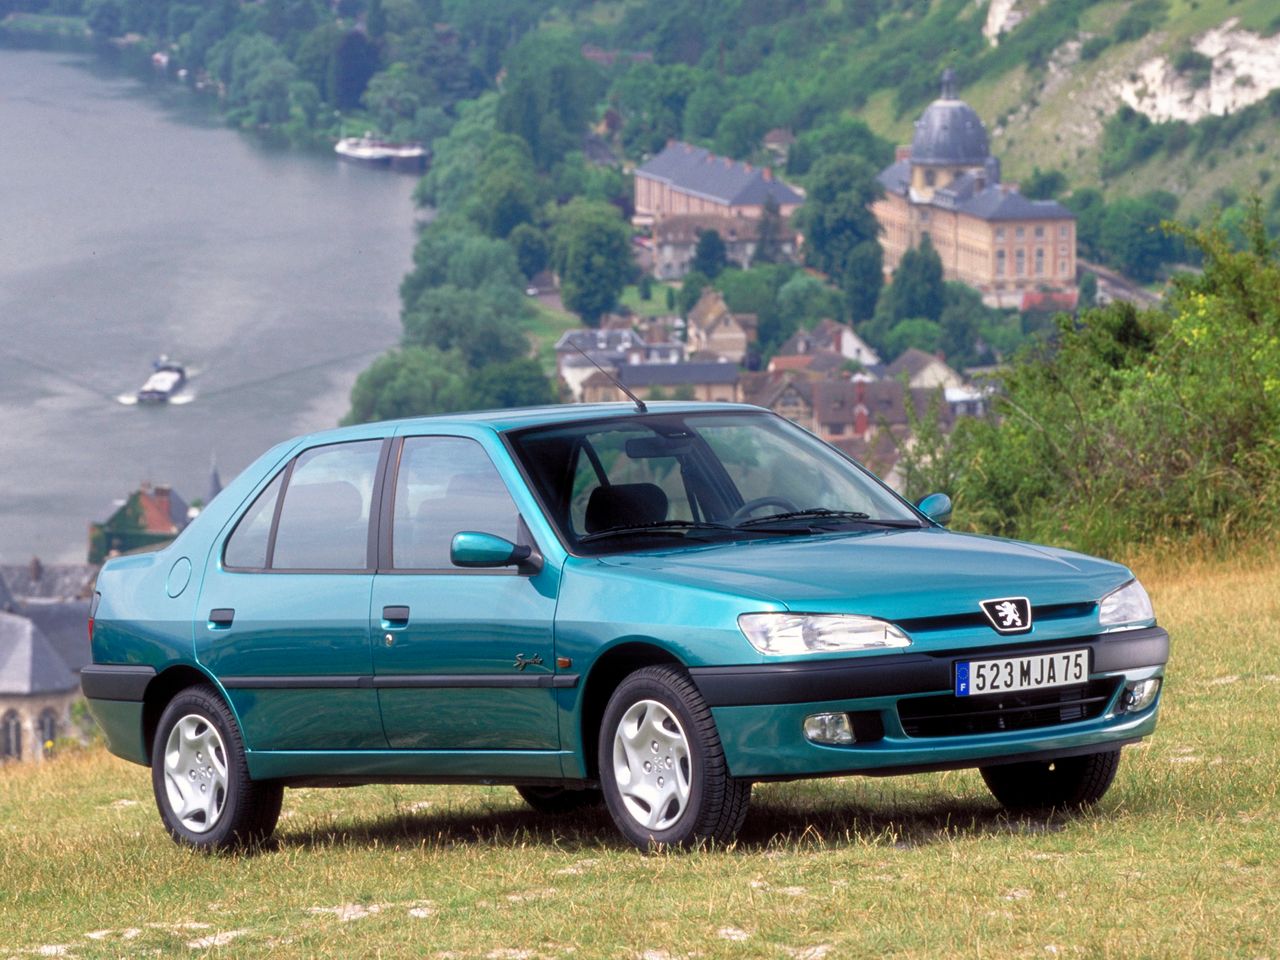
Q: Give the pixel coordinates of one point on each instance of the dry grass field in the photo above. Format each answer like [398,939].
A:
[1182,858]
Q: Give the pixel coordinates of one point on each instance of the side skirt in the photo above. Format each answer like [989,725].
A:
[349,767]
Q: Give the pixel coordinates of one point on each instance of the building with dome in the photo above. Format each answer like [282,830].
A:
[946,185]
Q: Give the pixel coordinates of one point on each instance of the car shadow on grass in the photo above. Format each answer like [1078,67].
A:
[769,826]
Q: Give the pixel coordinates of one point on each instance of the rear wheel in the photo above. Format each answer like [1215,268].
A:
[557,800]
[1044,784]
[662,767]
[201,780]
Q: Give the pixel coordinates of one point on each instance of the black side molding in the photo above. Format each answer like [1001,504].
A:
[437,681]
[900,674]
[103,681]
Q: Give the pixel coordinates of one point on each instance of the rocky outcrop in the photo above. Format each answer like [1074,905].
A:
[1245,68]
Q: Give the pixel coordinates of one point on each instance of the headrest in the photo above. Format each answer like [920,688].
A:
[336,500]
[625,505]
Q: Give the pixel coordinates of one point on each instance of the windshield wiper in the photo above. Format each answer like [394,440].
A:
[657,526]
[822,513]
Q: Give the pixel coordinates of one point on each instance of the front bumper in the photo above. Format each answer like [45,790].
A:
[760,710]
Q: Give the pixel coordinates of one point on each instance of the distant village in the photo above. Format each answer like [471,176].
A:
[945,186]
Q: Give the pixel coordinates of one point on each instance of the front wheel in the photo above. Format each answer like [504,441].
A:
[201,780]
[662,767]
[1045,784]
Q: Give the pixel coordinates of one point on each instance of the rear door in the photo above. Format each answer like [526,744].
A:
[284,610]
[464,659]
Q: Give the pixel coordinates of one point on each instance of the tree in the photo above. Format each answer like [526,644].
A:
[106,17]
[473,323]
[804,300]
[846,136]
[1044,185]
[691,291]
[651,99]
[530,245]
[352,65]
[394,97]
[739,131]
[1088,206]
[709,255]
[548,95]
[840,230]
[591,250]
[917,289]
[917,332]
[1131,238]
[376,20]
[516,383]
[411,382]
[1088,290]
[770,238]
[863,279]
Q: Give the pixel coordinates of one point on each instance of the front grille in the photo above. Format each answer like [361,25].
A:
[976,618]
[951,716]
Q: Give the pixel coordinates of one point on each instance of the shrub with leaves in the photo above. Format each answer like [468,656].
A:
[1138,426]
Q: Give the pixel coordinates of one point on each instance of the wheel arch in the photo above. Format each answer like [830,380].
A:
[163,688]
[609,670]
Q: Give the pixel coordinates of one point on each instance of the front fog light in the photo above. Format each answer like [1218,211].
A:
[828,728]
[1140,694]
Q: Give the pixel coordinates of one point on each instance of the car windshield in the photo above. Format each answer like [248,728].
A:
[641,481]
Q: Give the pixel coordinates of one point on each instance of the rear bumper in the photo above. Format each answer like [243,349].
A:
[760,710]
[115,696]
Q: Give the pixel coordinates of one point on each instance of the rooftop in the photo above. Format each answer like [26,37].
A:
[699,172]
[29,666]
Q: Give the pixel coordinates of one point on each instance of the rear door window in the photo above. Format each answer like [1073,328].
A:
[324,521]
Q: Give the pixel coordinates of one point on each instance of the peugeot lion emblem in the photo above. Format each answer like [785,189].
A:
[1009,614]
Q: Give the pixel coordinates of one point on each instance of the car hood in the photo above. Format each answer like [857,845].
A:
[894,574]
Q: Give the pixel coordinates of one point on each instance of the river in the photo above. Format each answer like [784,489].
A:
[132,224]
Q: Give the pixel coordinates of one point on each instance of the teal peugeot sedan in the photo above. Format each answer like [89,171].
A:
[650,607]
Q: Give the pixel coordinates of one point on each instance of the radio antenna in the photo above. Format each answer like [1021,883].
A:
[640,407]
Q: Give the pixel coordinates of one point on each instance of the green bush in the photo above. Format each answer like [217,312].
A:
[1138,426]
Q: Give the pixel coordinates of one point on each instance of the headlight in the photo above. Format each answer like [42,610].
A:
[1126,606]
[787,634]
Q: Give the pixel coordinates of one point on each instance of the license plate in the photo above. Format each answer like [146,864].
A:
[977,677]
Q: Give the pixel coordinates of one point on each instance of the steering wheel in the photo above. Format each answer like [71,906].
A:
[751,506]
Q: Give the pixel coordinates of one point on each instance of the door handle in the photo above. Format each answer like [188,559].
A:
[221,616]
[395,616]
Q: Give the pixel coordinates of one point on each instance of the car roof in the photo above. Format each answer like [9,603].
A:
[520,417]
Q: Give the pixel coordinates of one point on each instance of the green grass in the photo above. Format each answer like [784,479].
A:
[655,306]
[1178,861]
[545,328]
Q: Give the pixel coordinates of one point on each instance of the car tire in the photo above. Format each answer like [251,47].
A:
[1043,785]
[201,779]
[662,767]
[557,800]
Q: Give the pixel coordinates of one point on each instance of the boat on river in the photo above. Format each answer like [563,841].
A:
[374,152]
[167,378]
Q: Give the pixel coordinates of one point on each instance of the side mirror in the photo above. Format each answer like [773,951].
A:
[937,507]
[471,549]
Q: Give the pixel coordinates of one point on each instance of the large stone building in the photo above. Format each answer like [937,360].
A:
[946,185]
[684,179]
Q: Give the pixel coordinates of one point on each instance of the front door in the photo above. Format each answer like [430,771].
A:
[463,659]
[284,610]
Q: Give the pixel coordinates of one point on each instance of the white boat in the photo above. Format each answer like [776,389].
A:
[370,150]
[166,379]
